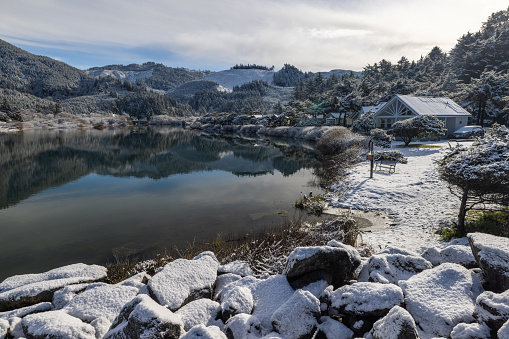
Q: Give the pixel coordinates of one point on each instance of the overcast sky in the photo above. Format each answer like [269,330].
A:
[207,34]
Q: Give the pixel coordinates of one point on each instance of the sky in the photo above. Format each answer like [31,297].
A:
[313,35]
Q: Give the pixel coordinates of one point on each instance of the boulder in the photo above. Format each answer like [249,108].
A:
[397,324]
[21,312]
[334,264]
[237,300]
[243,326]
[66,294]
[442,297]
[201,311]
[182,281]
[138,280]
[332,329]
[101,326]
[492,309]
[503,332]
[389,268]
[297,317]
[56,325]
[492,256]
[16,328]
[366,299]
[236,267]
[100,300]
[142,317]
[83,271]
[4,328]
[470,331]
[458,254]
[203,332]
[222,281]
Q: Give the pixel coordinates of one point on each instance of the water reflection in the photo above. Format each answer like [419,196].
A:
[81,196]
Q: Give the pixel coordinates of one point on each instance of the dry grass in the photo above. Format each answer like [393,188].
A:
[265,252]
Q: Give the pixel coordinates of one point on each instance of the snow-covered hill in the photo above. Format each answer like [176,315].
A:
[130,76]
[237,77]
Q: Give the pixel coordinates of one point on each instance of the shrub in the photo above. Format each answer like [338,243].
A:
[491,222]
[392,155]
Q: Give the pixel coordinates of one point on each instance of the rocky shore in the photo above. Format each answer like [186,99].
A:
[329,291]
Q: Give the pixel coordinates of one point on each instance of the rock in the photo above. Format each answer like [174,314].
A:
[201,311]
[182,281]
[397,324]
[56,325]
[202,332]
[66,294]
[317,288]
[21,312]
[442,297]
[100,300]
[101,325]
[4,328]
[470,331]
[492,309]
[334,264]
[236,267]
[142,317]
[492,256]
[222,281]
[332,329]
[391,267]
[34,293]
[237,300]
[503,332]
[16,328]
[85,272]
[366,298]
[458,254]
[297,318]
[243,326]
[432,254]
[138,280]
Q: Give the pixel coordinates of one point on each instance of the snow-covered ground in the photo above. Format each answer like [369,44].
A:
[414,196]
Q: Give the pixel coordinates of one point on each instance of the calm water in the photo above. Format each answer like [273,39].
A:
[69,197]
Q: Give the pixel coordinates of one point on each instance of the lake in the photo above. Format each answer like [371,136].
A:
[85,196]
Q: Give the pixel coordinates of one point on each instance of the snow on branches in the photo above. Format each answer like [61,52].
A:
[421,124]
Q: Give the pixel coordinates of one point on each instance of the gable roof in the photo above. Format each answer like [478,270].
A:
[440,107]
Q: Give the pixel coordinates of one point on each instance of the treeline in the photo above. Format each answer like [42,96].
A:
[252,66]
[474,74]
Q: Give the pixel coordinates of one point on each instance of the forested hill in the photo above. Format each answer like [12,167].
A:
[474,73]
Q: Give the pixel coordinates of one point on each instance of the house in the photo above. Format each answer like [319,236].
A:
[334,119]
[402,107]
[363,110]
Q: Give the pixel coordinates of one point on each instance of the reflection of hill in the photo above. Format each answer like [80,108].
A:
[33,162]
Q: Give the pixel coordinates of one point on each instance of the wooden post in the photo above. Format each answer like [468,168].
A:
[371,159]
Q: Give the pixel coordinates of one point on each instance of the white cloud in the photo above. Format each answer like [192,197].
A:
[313,35]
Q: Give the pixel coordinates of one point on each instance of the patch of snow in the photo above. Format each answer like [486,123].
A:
[101,325]
[236,267]
[503,332]
[470,331]
[66,294]
[244,326]
[56,324]
[203,332]
[237,77]
[21,312]
[222,281]
[237,300]
[333,329]
[16,328]
[4,328]
[201,311]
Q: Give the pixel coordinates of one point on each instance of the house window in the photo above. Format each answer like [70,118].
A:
[382,123]
[389,123]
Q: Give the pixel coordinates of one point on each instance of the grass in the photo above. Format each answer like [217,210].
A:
[494,222]
[265,252]
[418,146]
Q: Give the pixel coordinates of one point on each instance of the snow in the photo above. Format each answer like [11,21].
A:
[503,332]
[333,329]
[442,297]
[86,272]
[366,298]
[398,320]
[470,331]
[222,281]
[21,312]
[492,249]
[4,328]
[202,332]
[101,325]
[390,268]
[66,294]
[180,278]
[237,300]
[236,267]
[237,77]
[202,311]
[100,301]
[492,307]
[56,324]
[244,326]
[414,195]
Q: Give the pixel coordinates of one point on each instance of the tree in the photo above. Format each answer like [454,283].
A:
[478,174]
[421,124]
[365,123]
[381,138]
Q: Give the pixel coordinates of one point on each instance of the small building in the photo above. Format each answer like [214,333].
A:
[334,119]
[402,107]
[365,109]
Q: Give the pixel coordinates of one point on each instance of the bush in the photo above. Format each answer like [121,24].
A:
[491,222]
[397,156]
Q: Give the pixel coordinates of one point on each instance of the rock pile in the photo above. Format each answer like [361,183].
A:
[324,292]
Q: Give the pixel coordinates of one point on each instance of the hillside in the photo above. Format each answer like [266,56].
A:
[237,77]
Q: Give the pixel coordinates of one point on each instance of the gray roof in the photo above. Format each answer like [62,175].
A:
[432,106]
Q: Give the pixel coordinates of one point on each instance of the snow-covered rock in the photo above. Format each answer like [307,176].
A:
[470,331]
[182,281]
[138,280]
[334,264]
[301,324]
[332,329]
[390,268]
[243,326]
[458,254]
[492,255]
[248,281]
[236,267]
[56,325]
[101,325]
[236,301]
[16,328]
[83,271]
[366,298]
[66,294]
[142,317]
[203,332]
[21,312]
[201,311]
[440,298]
[4,328]
[222,281]
[100,300]
[398,323]
[492,309]
[503,332]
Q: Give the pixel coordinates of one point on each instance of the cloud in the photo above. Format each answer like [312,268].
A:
[313,35]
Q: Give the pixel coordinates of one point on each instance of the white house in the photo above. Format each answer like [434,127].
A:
[402,107]
[363,110]
[334,119]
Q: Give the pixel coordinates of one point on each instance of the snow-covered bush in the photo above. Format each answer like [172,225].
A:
[365,123]
[392,155]
[478,174]
[421,124]
[381,138]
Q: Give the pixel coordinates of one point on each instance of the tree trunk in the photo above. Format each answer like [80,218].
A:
[463,211]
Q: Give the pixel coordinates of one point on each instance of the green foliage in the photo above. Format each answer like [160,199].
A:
[494,222]
[449,233]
